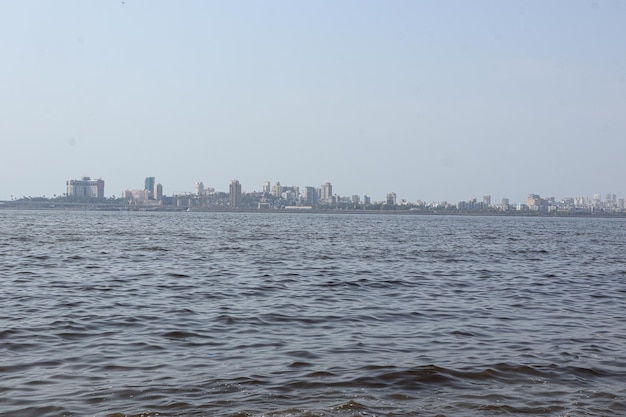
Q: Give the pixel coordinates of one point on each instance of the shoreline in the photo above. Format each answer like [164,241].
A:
[48,206]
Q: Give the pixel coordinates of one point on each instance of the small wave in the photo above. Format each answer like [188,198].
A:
[351,405]
[178,334]
[153,249]
[177,275]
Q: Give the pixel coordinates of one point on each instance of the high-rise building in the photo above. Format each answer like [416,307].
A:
[289,196]
[326,192]
[310,196]
[149,186]
[199,187]
[487,200]
[611,200]
[158,192]
[535,202]
[235,194]
[85,188]
[597,200]
[277,190]
[391,199]
[267,187]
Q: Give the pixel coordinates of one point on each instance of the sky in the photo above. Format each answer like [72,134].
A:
[435,100]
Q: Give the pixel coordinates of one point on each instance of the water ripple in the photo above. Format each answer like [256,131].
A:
[183,314]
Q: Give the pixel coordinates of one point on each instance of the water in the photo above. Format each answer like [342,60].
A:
[234,314]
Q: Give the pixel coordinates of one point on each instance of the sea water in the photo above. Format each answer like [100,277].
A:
[305,314]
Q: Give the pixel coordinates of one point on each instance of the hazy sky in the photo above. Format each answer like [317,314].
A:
[434,100]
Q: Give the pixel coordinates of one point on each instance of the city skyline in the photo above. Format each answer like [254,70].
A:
[86,187]
[431,100]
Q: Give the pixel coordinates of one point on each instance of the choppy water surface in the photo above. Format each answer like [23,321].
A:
[234,314]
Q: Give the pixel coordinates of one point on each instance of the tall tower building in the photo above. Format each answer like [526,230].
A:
[277,190]
[326,191]
[235,194]
[158,192]
[310,195]
[267,187]
[149,186]
[199,187]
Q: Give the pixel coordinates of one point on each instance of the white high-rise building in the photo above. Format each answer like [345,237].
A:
[597,200]
[235,194]
[277,190]
[157,194]
[326,192]
[199,187]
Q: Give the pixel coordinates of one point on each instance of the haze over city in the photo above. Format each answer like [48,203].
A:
[433,100]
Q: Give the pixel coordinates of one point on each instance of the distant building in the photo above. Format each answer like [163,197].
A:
[277,190]
[149,187]
[326,192]
[136,196]
[292,189]
[289,196]
[85,188]
[157,194]
[597,200]
[535,202]
[267,187]
[199,187]
[391,199]
[611,200]
[310,196]
[470,205]
[235,194]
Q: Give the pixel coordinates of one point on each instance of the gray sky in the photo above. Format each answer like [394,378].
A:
[434,100]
